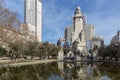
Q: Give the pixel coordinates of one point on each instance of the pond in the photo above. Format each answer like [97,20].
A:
[62,71]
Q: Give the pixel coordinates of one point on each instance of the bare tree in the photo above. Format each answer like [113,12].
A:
[9,24]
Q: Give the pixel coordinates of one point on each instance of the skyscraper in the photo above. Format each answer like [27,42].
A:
[116,39]
[68,33]
[33,17]
[89,31]
[97,41]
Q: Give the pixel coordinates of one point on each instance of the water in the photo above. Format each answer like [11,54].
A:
[62,71]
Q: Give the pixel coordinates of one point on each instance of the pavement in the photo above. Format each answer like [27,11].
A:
[7,62]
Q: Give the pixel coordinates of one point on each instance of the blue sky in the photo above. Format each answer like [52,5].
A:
[57,14]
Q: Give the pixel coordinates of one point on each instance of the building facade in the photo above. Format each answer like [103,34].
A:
[68,34]
[96,41]
[116,39]
[33,17]
[89,31]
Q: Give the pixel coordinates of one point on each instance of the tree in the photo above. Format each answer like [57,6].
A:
[9,22]
[109,51]
[8,18]
[3,51]
[17,48]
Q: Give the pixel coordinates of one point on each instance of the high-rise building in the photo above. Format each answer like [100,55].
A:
[68,34]
[33,17]
[116,39]
[97,41]
[89,31]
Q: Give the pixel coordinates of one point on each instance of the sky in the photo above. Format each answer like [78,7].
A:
[57,15]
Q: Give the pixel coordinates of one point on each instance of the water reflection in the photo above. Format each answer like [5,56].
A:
[81,71]
[62,71]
